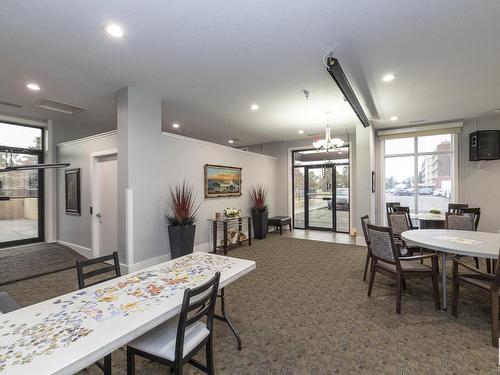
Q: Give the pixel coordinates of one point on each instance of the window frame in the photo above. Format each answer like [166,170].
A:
[453,153]
[40,153]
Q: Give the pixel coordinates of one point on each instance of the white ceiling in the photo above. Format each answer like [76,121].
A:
[211,59]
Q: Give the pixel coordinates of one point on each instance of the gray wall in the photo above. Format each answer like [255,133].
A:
[479,182]
[76,230]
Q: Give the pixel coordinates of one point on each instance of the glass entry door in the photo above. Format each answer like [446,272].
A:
[320,198]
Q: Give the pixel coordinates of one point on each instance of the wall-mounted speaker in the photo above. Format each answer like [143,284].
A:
[484,145]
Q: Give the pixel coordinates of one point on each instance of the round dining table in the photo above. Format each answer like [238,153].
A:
[456,242]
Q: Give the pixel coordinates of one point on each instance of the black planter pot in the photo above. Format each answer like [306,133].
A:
[259,220]
[181,240]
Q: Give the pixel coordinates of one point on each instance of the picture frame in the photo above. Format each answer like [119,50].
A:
[72,191]
[374,182]
[222,181]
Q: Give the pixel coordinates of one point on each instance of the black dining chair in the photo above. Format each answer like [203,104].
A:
[406,211]
[365,220]
[176,341]
[99,268]
[471,277]
[386,260]
[455,208]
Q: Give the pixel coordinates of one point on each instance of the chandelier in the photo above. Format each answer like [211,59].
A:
[328,143]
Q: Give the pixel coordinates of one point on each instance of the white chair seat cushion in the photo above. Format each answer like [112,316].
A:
[160,341]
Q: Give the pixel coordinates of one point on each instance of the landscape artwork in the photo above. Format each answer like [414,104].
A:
[222,181]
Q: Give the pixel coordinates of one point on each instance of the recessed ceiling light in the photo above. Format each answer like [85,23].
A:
[497,110]
[254,107]
[301,132]
[394,118]
[231,141]
[175,125]
[115,30]
[388,77]
[33,86]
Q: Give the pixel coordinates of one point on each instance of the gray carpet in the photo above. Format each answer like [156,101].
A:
[24,262]
[304,310]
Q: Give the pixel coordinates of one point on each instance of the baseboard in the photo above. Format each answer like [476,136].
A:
[85,251]
[360,241]
[203,247]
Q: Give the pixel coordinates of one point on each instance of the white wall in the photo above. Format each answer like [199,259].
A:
[76,230]
[479,182]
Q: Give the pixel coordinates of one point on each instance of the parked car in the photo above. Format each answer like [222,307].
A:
[425,191]
[342,199]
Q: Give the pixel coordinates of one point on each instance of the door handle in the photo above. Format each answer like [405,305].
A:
[99,216]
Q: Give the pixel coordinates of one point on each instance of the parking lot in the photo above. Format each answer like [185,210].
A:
[425,202]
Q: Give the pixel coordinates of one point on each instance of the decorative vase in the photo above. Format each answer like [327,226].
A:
[181,240]
[259,220]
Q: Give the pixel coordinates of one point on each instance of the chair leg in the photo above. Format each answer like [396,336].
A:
[367,263]
[399,287]
[178,369]
[403,284]
[372,278]
[454,291]
[210,358]
[476,262]
[130,362]
[281,230]
[488,265]
[494,317]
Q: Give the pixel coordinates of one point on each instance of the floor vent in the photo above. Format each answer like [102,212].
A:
[58,106]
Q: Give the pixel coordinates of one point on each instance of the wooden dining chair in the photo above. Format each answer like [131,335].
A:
[406,211]
[386,260]
[99,267]
[475,212]
[478,280]
[461,221]
[399,224]
[113,270]
[176,341]
[454,208]
[364,221]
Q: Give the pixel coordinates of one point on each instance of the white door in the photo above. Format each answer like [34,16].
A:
[105,206]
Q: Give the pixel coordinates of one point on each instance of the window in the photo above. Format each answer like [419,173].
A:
[419,172]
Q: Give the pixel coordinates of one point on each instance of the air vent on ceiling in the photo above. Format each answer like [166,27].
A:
[58,106]
[9,104]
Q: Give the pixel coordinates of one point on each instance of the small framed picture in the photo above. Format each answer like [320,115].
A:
[374,182]
[72,188]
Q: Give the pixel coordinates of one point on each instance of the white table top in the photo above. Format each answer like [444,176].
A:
[431,217]
[460,242]
[68,333]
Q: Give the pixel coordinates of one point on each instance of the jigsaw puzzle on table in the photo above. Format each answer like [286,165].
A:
[21,343]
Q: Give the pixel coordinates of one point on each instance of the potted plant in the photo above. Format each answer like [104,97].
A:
[258,206]
[181,219]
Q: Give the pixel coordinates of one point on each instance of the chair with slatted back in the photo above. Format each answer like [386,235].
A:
[454,208]
[364,221]
[82,275]
[176,341]
[389,208]
[99,268]
[476,214]
[386,260]
[399,224]
[478,280]
[406,211]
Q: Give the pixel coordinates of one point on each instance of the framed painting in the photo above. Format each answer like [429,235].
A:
[222,181]
[72,191]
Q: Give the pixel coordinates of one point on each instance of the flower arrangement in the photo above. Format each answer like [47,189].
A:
[232,212]
[258,197]
[182,206]
[435,211]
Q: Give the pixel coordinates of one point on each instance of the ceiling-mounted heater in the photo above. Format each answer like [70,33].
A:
[335,70]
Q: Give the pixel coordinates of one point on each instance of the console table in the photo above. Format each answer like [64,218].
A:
[226,225]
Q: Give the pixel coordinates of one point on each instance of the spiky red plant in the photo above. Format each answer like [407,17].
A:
[182,207]
[258,197]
